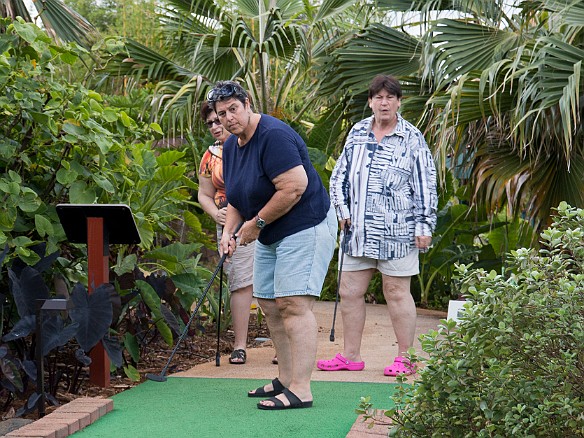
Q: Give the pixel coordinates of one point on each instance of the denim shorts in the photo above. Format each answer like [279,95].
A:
[404,267]
[297,264]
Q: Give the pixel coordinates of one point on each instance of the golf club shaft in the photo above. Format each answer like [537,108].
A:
[186,329]
[217,356]
[343,249]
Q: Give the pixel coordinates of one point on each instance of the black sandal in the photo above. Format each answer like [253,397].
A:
[279,405]
[238,357]
[261,392]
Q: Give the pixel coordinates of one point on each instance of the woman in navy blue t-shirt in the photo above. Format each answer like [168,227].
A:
[273,188]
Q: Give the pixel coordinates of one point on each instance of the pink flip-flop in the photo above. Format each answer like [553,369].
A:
[339,363]
[400,365]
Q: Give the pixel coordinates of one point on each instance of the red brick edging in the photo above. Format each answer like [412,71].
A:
[369,428]
[66,419]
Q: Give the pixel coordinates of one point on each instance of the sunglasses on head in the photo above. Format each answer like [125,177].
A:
[225,91]
[210,123]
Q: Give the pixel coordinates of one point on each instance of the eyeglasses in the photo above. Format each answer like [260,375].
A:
[210,123]
[225,91]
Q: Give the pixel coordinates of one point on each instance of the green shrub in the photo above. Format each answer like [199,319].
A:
[63,143]
[514,365]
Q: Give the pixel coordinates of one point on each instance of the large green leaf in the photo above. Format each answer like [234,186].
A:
[174,252]
[463,47]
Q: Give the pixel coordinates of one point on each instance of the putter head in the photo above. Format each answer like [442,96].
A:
[156,377]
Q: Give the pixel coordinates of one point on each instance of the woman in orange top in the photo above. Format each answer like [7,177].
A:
[239,267]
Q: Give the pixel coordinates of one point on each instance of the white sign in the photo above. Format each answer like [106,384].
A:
[455,308]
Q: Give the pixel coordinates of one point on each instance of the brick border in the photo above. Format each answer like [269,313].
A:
[66,419]
[368,428]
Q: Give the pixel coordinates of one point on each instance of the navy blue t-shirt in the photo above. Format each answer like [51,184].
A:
[248,172]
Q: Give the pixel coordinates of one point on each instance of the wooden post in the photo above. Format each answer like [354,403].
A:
[98,225]
[98,274]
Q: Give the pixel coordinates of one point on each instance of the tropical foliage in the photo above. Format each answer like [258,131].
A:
[497,88]
[63,143]
[59,20]
[513,365]
[126,18]
[271,46]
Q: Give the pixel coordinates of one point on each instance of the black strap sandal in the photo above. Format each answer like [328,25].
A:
[279,405]
[238,357]
[261,392]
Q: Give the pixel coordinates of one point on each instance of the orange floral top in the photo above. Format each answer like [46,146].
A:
[212,167]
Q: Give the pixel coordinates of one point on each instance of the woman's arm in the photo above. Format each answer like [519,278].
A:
[290,185]
[425,197]
[228,244]
[339,186]
[206,197]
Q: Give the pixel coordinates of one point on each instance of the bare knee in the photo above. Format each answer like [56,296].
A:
[269,307]
[396,288]
[294,305]
[354,284]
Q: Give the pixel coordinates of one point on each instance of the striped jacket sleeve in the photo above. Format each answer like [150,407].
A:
[424,188]
[339,186]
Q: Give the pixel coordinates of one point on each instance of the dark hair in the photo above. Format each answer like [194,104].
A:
[387,83]
[224,90]
[206,110]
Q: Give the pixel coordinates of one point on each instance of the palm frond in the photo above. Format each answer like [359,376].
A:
[132,59]
[548,112]
[504,178]
[66,24]
[458,47]
[379,49]
[179,102]
[331,8]
[14,8]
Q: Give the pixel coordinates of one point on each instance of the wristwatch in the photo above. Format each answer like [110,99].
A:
[260,223]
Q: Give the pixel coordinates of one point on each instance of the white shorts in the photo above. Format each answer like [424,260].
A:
[238,267]
[404,267]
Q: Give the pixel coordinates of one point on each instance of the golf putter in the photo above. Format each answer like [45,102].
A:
[344,244]
[217,356]
[162,376]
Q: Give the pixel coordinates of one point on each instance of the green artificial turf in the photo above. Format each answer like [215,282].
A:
[197,407]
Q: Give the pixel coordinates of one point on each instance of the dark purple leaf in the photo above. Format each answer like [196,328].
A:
[26,289]
[82,357]
[30,369]
[113,349]
[170,318]
[93,312]
[56,333]
[21,329]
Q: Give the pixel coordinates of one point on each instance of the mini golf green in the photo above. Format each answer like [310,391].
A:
[201,407]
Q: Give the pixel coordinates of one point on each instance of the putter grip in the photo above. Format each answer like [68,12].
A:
[237,228]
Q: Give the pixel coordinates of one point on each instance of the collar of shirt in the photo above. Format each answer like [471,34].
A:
[399,128]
